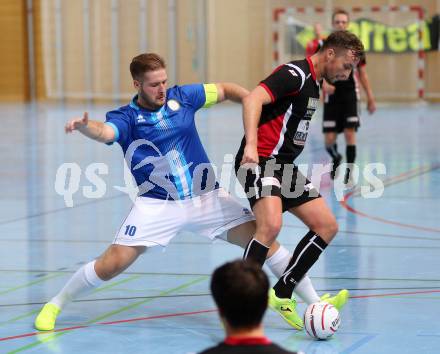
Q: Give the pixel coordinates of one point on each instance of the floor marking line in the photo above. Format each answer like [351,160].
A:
[58,333]
[209,294]
[66,329]
[15,319]
[393,180]
[40,280]
[116,283]
[359,344]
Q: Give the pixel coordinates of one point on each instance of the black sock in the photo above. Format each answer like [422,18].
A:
[306,254]
[351,153]
[333,151]
[256,251]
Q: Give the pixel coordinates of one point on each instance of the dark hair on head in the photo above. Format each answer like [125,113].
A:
[344,40]
[145,62]
[340,12]
[240,290]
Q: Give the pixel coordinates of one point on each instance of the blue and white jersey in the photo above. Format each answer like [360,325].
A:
[163,148]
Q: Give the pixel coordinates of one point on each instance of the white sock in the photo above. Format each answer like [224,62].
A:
[278,262]
[84,280]
[305,290]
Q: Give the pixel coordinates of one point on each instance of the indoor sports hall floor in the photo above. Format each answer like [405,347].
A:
[387,251]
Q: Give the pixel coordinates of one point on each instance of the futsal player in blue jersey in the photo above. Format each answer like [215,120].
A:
[177,187]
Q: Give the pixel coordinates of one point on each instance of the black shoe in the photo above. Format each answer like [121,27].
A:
[336,162]
[347,176]
[348,181]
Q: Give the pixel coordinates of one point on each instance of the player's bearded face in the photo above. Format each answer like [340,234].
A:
[152,89]
[339,66]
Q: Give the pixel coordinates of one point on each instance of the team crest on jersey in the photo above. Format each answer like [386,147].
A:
[173,105]
[140,118]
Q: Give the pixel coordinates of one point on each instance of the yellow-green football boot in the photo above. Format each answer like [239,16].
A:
[47,317]
[338,300]
[287,310]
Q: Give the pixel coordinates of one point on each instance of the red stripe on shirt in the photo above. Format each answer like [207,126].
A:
[268,91]
[269,135]
[277,68]
[312,70]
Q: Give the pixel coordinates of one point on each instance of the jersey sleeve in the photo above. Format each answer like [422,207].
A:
[120,123]
[286,80]
[194,95]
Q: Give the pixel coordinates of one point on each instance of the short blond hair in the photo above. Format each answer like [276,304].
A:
[145,62]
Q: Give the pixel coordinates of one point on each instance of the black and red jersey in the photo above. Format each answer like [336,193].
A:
[284,123]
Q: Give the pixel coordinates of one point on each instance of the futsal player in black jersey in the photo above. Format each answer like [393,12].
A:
[341,105]
[276,117]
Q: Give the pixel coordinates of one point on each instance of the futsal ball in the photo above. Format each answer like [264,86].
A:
[321,320]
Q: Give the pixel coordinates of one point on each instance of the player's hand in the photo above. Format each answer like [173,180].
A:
[76,123]
[328,88]
[250,155]
[371,106]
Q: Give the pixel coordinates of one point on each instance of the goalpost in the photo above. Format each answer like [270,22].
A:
[395,38]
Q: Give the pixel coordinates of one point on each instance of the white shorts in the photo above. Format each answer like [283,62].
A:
[154,222]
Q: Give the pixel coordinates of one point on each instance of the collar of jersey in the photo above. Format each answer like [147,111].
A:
[134,105]
[231,340]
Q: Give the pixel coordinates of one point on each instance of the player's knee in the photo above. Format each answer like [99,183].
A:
[333,228]
[104,271]
[270,229]
[104,274]
[107,272]
[116,259]
[108,268]
[327,229]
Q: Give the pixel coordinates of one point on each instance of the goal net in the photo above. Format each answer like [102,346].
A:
[394,37]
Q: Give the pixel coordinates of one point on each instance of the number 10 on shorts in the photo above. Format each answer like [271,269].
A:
[130,230]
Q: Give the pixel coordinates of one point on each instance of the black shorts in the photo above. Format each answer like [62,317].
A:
[275,179]
[341,115]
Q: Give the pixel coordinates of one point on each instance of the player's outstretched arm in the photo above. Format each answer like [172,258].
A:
[230,91]
[252,107]
[365,82]
[93,129]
